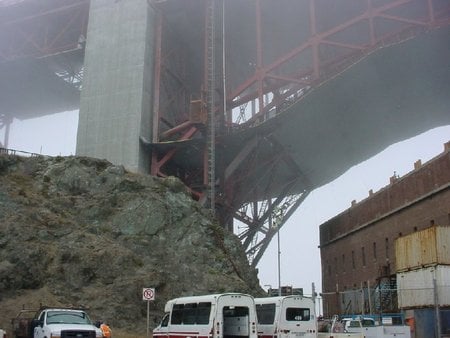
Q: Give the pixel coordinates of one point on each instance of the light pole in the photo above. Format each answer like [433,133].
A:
[278,215]
[279,261]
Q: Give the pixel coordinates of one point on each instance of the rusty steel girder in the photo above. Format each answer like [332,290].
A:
[39,28]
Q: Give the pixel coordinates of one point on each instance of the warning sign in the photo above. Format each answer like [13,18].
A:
[148,294]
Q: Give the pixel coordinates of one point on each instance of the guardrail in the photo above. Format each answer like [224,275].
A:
[6,151]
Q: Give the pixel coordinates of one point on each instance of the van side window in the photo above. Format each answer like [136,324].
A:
[203,312]
[265,313]
[297,314]
[190,313]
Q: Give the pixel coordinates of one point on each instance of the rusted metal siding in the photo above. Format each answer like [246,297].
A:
[430,246]
[416,287]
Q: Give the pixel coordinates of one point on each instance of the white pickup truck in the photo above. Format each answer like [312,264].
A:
[337,330]
[64,323]
[369,328]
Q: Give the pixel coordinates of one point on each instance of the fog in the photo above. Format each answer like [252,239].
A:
[299,237]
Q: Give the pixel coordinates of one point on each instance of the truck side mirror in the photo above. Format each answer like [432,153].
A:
[36,322]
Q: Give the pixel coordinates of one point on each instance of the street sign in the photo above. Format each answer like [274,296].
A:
[148,294]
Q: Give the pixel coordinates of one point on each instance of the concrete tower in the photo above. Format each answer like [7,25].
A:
[116,98]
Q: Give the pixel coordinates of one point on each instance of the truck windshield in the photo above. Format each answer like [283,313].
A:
[67,317]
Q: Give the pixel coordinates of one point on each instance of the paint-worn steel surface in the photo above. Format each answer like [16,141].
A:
[423,248]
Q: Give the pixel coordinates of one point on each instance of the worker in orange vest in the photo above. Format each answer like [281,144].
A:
[106,330]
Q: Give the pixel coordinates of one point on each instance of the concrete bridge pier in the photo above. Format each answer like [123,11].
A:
[116,98]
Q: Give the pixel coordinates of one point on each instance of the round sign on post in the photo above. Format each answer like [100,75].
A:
[148,294]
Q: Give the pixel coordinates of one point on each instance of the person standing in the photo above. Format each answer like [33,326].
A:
[106,330]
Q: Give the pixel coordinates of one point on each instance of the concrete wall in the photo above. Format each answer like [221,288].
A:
[116,98]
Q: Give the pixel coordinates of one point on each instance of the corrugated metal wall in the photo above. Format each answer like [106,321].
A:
[416,287]
[424,248]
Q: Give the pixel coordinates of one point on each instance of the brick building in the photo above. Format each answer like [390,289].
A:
[358,246]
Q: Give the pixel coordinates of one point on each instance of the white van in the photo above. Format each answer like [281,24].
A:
[286,317]
[228,315]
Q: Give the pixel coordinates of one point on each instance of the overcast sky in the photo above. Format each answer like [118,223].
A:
[299,238]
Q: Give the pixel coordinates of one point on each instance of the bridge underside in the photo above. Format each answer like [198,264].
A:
[41,56]
[393,94]
[31,88]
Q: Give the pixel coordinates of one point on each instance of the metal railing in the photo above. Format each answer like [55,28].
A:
[15,152]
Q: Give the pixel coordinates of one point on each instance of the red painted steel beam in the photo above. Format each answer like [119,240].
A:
[47,12]
[158,164]
[316,39]
[45,32]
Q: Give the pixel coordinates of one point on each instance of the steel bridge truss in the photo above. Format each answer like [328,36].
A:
[37,29]
[181,116]
[328,52]
[53,31]
[257,222]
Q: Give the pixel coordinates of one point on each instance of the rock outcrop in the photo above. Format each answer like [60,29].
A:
[81,231]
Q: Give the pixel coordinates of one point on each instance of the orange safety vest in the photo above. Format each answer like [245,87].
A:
[106,331]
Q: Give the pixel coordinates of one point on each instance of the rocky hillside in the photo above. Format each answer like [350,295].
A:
[81,231]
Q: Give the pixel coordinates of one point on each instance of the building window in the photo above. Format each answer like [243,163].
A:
[353,260]
[363,256]
[374,246]
[343,262]
[336,265]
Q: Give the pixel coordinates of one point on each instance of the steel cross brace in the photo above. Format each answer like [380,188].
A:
[36,37]
[257,218]
[321,69]
[275,214]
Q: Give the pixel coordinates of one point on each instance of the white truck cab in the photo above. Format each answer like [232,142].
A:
[64,323]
